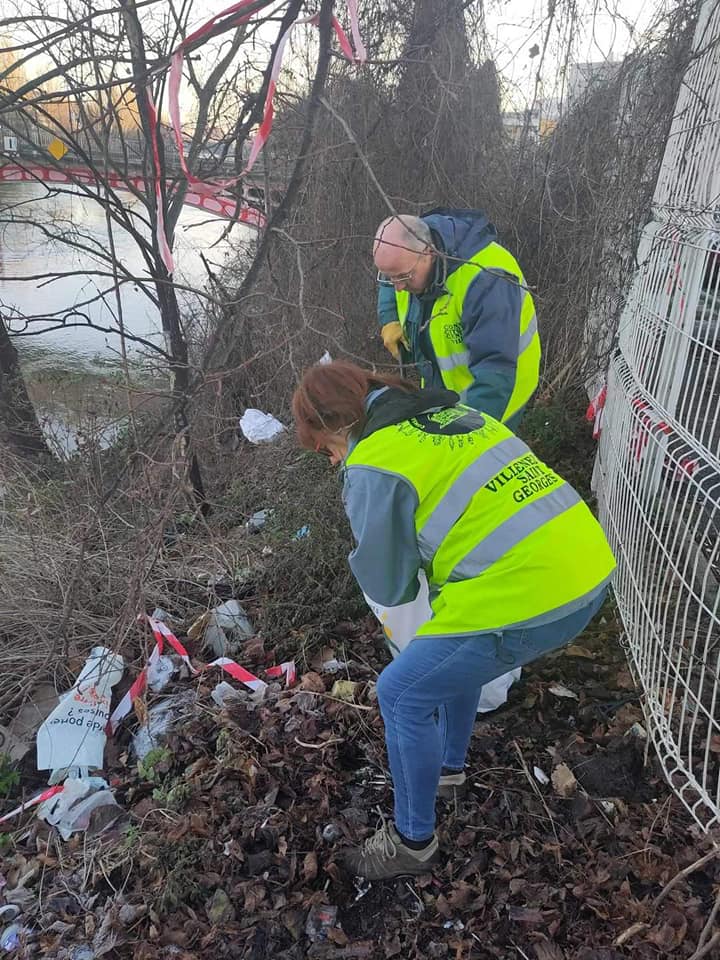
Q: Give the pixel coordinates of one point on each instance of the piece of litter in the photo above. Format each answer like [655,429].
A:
[325,358]
[227,622]
[331,833]
[320,919]
[344,690]
[71,810]
[637,730]
[608,806]
[260,427]
[362,887]
[224,694]
[161,718]
[10,938]
[334,666]
[160,614]
[258,520]
[302,533]
[558,690]
[74,733]
[159,673]
[541,776]
[563,780]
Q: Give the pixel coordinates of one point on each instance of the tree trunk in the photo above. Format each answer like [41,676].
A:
[19,427]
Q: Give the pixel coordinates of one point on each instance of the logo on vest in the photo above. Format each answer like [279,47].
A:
[527,475]
[453,332]
[454,426]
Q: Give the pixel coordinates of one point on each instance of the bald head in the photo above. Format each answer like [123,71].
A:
[403,250]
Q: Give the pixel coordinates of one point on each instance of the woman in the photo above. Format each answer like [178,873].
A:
[516,562]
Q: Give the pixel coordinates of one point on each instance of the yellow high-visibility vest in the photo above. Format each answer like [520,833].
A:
[446,334]
[503,539]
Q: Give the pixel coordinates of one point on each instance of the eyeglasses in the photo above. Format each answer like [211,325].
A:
[390,279]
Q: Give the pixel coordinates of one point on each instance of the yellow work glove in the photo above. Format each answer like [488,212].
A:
[392,337]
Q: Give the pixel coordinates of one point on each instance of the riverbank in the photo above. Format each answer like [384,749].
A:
[83,399]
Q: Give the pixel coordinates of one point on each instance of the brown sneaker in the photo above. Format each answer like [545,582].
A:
[452,785]
[384,856]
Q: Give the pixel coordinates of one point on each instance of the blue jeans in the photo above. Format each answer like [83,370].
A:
[444,677]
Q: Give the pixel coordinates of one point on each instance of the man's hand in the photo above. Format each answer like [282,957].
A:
[392,337]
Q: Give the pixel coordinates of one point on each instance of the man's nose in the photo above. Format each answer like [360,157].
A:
[400,284]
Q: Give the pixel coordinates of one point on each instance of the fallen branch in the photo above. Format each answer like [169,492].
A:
[685,873]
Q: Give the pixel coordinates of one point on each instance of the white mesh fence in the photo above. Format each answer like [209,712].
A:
[658,468]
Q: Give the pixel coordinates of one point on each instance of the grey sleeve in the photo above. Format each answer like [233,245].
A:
[381,509]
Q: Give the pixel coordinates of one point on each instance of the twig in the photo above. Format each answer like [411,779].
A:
[704,951]
[685,873]
[537,790]
[317,746]
[709,925]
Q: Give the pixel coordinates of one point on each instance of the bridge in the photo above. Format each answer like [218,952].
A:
[222,204]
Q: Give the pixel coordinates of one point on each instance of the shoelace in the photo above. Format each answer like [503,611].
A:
[381,843]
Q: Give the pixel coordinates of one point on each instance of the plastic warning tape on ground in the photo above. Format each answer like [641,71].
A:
[162,634]
[45,795]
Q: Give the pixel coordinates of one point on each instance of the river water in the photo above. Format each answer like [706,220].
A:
[66,367]
[26,251]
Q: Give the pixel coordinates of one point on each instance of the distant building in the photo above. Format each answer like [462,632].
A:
[522,123]
[584,78]
[533,124]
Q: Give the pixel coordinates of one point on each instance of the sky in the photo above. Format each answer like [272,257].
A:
[602,31]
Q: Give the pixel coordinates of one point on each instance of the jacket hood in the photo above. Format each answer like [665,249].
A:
[394,405]
[462,232]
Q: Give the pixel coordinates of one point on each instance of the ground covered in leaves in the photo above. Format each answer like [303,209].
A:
[228,844]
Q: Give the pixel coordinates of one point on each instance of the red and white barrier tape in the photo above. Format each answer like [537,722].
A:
[287,669]
[162,242]
[234,17]
[163,633]
[596,412]
[45,795]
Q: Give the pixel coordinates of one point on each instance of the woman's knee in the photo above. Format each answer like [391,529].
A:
[388,690]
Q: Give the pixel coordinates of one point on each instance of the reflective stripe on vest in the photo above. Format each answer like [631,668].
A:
[460,359]
[514,530]
[445,329]
[455,502]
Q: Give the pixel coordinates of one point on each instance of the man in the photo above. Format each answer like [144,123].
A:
[454,302]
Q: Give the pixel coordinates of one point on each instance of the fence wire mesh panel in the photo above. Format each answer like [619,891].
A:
[658,468]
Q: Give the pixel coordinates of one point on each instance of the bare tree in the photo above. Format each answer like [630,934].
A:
[108,70]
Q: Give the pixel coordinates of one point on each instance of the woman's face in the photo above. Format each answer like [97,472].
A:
[334,446]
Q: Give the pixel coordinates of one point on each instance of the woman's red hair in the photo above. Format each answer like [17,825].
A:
[331,397]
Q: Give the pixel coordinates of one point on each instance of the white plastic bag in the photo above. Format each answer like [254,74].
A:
[229,619]
[260,427]
[402,623]
[74,733]
[71,810]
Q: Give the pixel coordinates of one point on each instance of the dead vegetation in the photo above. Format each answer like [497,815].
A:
[227,847]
